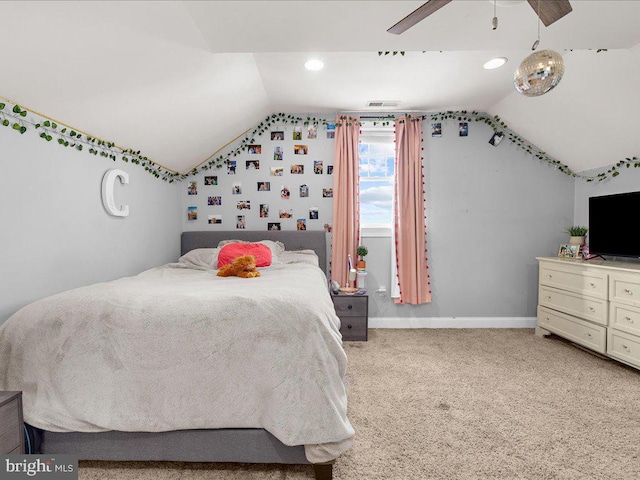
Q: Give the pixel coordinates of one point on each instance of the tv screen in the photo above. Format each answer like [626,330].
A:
[611,220]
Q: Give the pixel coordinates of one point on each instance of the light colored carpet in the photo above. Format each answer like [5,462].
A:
[463,404]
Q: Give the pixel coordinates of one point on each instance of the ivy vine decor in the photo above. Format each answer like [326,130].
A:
[67,137]
[16,119]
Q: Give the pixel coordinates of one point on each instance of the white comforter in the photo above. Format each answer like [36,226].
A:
[179,348]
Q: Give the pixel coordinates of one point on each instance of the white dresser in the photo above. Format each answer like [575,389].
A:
[593,303]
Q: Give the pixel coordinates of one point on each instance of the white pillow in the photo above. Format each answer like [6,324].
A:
[201,258]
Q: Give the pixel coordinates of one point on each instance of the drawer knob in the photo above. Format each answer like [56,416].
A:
[626,348]
[593,285]
[592,309]
[589,335]
[548,297]
[350,306]
[628,292]
[349,326]
[628,319]
[549,276]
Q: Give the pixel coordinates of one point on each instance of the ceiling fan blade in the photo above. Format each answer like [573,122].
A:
[551,10]
[417,15]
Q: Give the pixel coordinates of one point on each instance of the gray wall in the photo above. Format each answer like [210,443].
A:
[490,212]
[55,233]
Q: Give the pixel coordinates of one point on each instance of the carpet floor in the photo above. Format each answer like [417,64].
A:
[463,404]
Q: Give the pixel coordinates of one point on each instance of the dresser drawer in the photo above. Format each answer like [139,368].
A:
[350,306]
[10,427]
[589,308]
[624,347]
[625,318]
[353,328]
[579,331]
[624,288]
[575,278]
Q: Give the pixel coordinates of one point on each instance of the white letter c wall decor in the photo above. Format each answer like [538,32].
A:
[108,183]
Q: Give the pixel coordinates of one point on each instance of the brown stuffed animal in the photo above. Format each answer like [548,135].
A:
[244,266]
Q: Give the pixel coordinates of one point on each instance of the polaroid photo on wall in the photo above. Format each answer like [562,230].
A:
[231,167]
[436,129]
[317,167]
[301,224]
[264,210]
[253,165]
[331,130]
[496,138]
[211,180]
[264,186]
[300,149]
[243,205]
[463,129]
[236,188]
[192,213]
[285,213]
[304,190]
[277,135]
[312,132]
[240,222]
[285,193]
[215,201]
[297,133]
[297,169]
[254,149]
[329,169]
[278,153]
[274,226]
[192,188]
[313,213]
[327,193]
[277,171]
[213,219]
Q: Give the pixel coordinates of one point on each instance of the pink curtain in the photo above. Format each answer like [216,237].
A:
[409,213]
[346,183]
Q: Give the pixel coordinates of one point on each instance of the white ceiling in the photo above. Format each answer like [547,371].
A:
[178,80]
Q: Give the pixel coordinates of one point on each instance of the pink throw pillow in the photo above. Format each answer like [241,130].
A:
[232,251]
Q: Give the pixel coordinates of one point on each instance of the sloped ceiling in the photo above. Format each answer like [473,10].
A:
[178,80]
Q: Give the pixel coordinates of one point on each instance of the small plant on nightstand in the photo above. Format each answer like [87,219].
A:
[362,252]
[577,234]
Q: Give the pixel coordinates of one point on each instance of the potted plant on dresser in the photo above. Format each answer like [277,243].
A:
[362,252]
[577,234]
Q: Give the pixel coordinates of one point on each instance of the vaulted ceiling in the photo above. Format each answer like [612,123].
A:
[179,79]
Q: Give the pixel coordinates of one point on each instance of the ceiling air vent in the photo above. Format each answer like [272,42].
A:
[383,103]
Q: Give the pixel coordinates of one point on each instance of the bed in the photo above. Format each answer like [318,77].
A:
[164,367]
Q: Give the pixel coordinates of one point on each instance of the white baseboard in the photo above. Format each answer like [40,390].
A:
[452,322]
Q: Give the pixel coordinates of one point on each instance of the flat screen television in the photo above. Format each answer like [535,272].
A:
[612,224]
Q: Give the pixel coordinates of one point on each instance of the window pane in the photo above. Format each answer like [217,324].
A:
[377,154]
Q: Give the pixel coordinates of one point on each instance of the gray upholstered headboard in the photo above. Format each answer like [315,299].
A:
[293,240]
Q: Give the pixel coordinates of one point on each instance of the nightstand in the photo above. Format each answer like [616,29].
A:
[11,423]
[353,313]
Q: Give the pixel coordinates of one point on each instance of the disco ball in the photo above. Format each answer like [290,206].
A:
[538,73]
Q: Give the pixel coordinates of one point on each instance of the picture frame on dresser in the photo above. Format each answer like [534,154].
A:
[568,250]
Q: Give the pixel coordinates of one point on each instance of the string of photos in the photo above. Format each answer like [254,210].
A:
[15,117]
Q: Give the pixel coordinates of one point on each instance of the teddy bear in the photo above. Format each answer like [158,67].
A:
[244,266]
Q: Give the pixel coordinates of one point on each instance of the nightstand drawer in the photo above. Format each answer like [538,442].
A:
[10,426]
[350,306]
[353,328]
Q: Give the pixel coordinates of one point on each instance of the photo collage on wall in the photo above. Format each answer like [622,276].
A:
[299,155]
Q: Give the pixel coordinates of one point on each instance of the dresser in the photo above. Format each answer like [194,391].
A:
[11,423]
[593,303]
[354,315]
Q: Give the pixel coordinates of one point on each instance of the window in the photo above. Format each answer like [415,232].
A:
[377,158]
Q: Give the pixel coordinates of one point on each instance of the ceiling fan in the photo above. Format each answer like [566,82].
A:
[549,11]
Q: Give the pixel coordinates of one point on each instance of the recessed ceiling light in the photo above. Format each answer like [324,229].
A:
[314,64]
[495,63]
